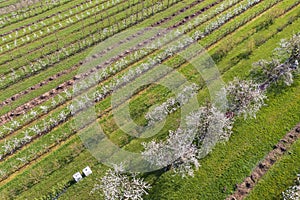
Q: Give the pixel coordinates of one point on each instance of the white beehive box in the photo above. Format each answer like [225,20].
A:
[87,171]
[77,176]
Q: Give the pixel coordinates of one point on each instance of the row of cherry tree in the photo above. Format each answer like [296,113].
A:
[208,125]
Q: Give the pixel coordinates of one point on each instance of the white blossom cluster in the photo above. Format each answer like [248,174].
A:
[211,126]
[203,18]
[33,114]
[171,105]
[39,64]
[130,75]
[293,192]
[116,185]
[204,128]
[289,49]
[220,20]
[274,71]
[182,149]
[283,64]
[24,9]
[244,97]
[177,152]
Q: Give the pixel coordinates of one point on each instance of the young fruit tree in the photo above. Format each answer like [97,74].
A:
[208,125]
[283,65]
[116,185]
[244,97]
[177,153]
[183,147]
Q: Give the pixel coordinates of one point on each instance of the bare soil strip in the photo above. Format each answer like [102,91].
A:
[244,188]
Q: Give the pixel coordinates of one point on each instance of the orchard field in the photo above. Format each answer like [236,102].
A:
[60,59]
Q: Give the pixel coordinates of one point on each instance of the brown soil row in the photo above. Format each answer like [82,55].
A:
[244,188]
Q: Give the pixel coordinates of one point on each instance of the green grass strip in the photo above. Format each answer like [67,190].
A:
[281,176]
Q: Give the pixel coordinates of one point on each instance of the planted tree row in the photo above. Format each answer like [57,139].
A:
[83,43]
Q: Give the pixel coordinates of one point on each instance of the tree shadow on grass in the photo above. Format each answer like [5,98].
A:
[280,87]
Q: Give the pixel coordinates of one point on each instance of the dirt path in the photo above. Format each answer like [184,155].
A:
[244,188]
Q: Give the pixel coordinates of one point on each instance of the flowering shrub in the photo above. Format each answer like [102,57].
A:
[289,49]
